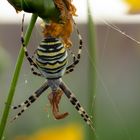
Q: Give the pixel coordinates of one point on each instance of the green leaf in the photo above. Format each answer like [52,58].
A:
[45,9]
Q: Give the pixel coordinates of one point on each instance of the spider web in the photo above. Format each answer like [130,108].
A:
[107,92]
[112,28]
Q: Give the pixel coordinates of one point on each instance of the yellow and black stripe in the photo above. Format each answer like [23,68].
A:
[51,58]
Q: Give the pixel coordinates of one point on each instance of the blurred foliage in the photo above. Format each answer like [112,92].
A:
[65,132]
[134,6]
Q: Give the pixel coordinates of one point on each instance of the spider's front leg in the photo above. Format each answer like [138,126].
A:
[54,98]
[31,61]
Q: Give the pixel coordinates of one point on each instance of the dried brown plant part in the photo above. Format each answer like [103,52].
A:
[64,29]
[66,8]
[59,31]
[54,98]
[70,7]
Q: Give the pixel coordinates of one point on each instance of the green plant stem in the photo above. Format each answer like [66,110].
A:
[91,71]
[15,77]
[92,57]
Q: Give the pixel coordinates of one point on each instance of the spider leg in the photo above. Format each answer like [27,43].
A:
[20,105]
[76,104]
[30,100]
[31,62]
[54,98]
[76,59]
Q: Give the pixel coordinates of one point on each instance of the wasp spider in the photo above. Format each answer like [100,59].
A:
[50,60]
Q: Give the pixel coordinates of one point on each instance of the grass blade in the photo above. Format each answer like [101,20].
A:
[91,70]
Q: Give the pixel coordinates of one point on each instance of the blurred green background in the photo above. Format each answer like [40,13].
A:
[117,101]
